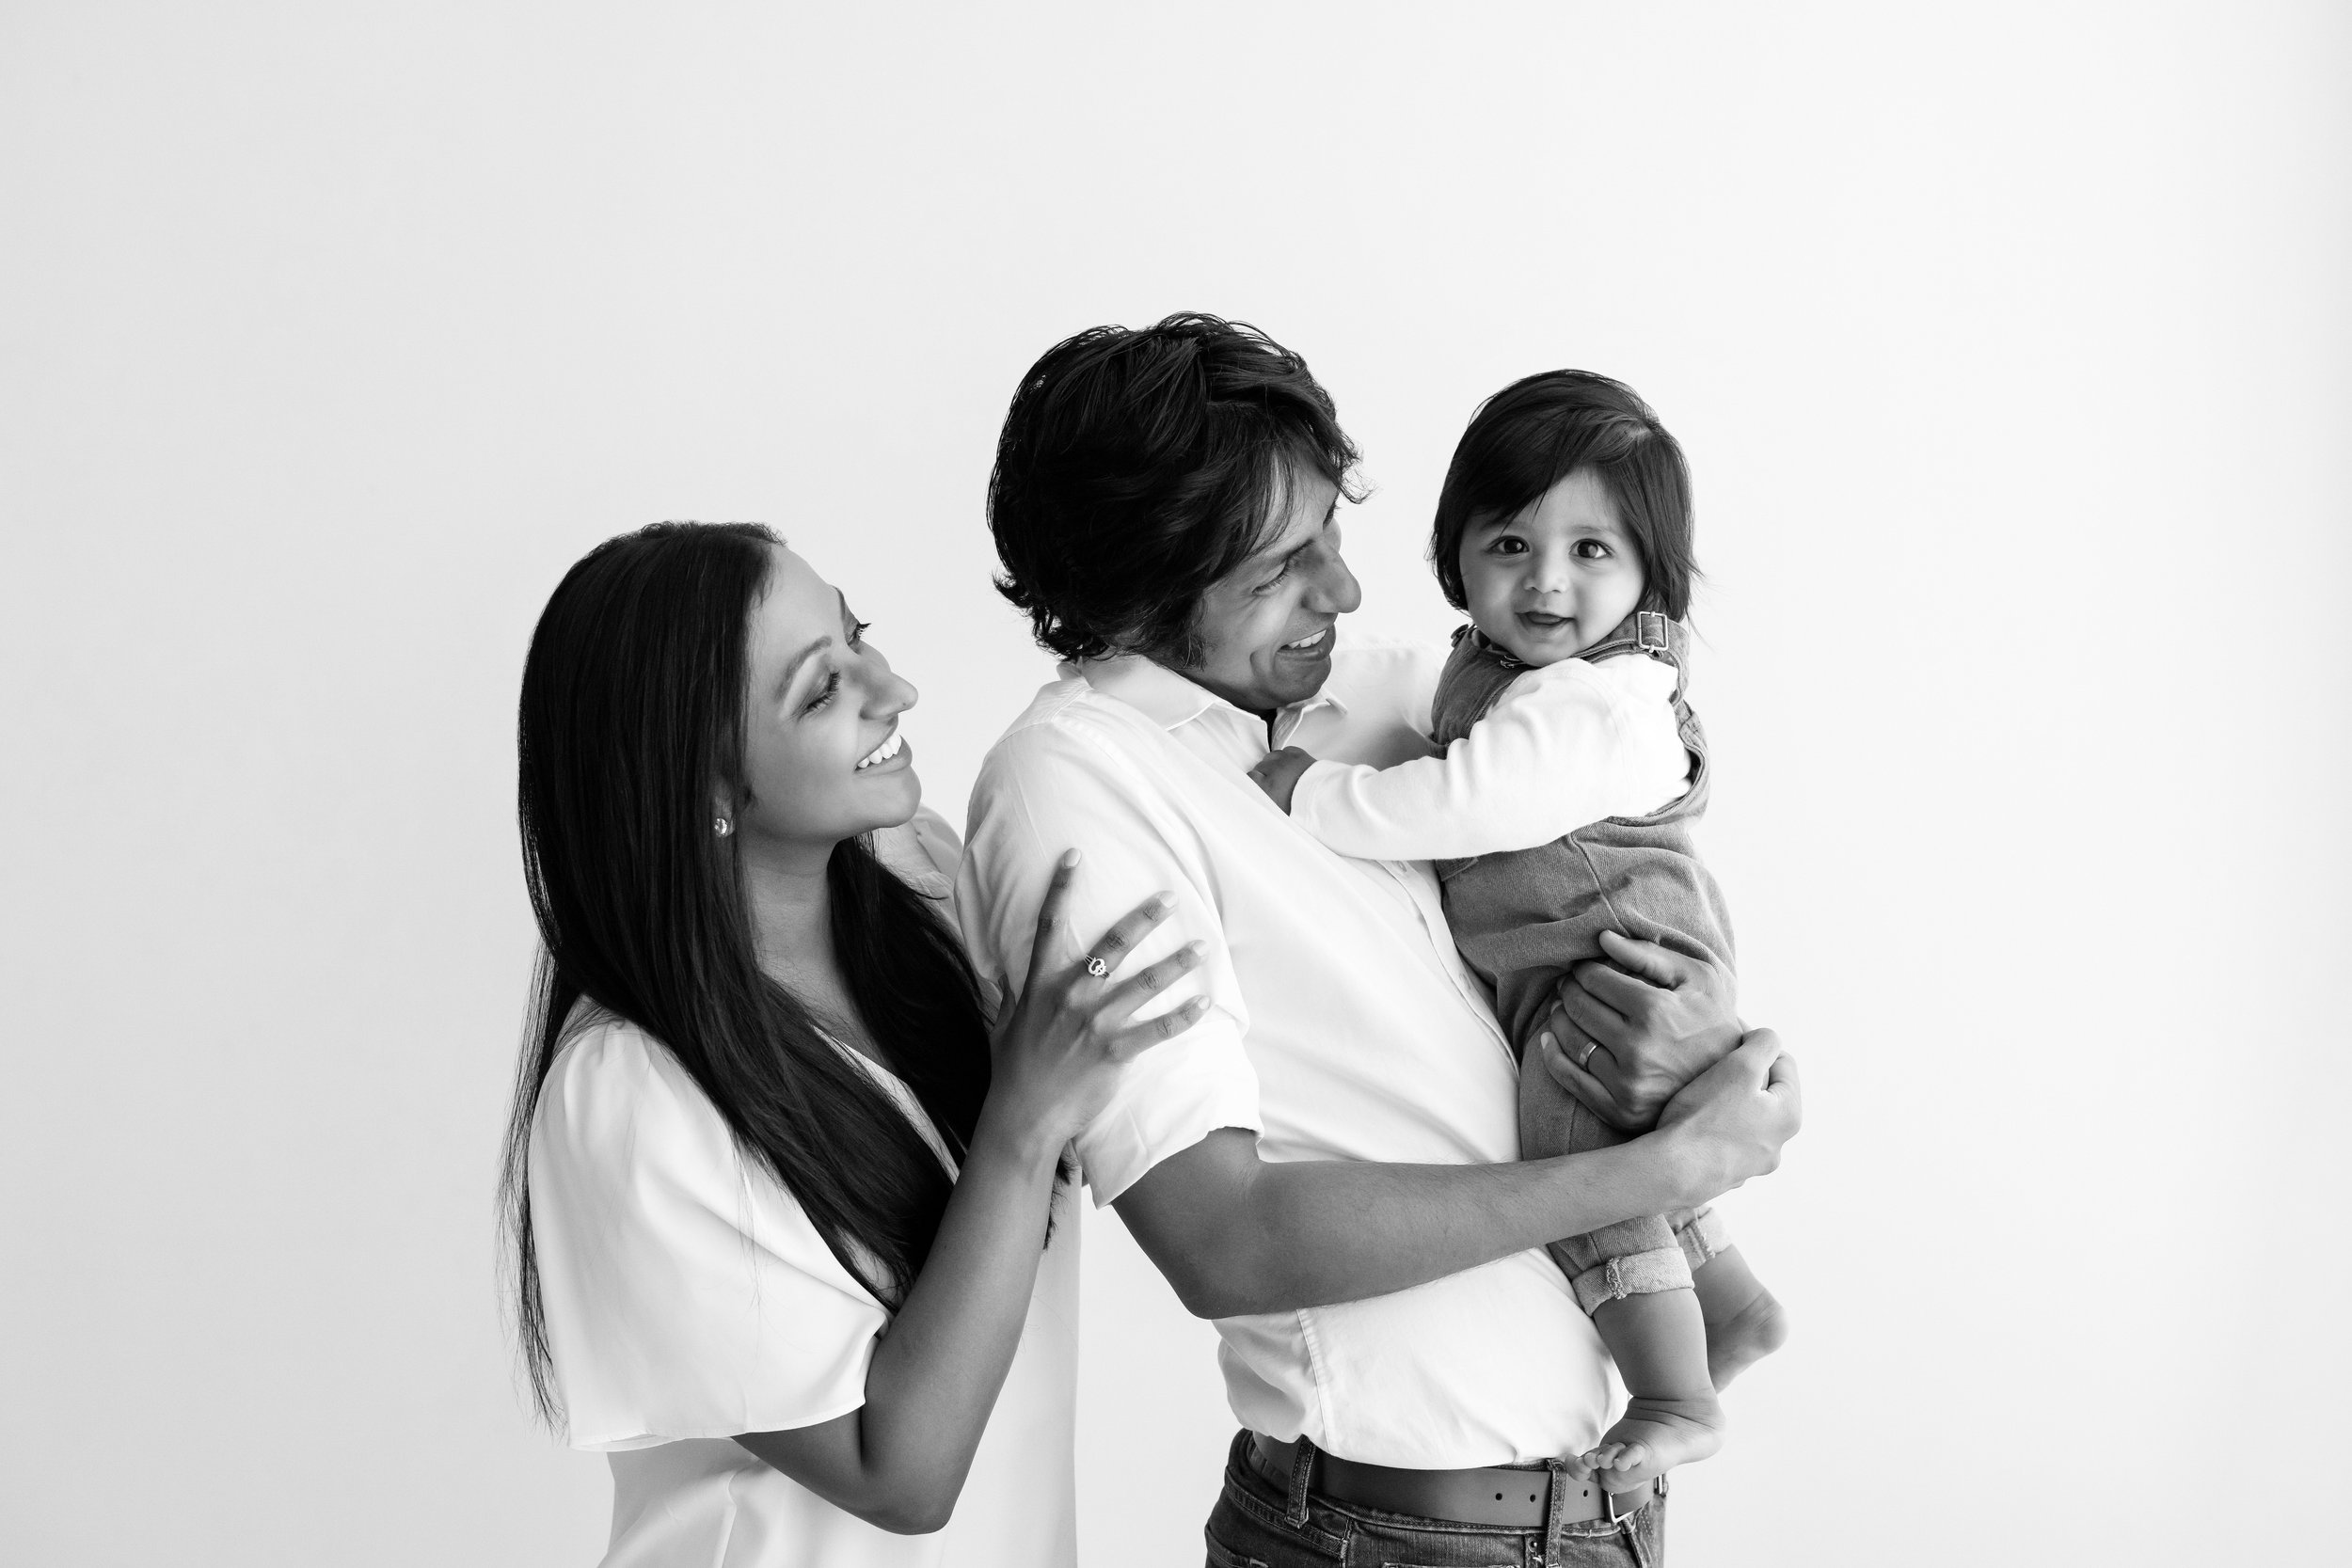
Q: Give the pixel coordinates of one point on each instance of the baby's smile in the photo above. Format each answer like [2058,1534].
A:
[1539,636]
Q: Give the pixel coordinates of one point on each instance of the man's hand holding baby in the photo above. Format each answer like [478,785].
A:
[1278,772]
[1654,1019]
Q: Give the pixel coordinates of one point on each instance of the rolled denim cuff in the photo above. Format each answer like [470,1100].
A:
[1639,1273]
[1701,1236]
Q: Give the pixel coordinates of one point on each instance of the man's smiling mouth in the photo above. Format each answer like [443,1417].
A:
[1306,642]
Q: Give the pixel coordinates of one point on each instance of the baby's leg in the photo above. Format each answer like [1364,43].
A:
[1671,1416]
[1745,1322]
[1633,1279]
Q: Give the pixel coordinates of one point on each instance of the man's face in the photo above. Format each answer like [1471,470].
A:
[1264,629]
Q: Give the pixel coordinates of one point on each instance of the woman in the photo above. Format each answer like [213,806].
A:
[781,1209]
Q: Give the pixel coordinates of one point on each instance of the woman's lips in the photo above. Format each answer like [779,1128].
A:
[888,756]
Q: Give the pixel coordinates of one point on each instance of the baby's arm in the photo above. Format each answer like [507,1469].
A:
[1561,748]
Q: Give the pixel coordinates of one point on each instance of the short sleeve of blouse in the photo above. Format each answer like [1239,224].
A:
[686,1293]
[923,851]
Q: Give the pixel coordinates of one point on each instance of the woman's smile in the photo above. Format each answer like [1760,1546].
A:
[888,757]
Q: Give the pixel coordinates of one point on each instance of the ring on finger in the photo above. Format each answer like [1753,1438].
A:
[1096,967]
[1586,1055]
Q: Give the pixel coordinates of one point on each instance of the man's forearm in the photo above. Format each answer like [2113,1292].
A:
[1236,1234]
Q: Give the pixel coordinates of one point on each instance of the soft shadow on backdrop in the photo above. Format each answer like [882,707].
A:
[2012,352]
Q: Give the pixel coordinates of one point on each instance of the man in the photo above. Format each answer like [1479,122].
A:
[1325,1164]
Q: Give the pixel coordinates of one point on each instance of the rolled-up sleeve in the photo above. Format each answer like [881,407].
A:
[1049,787]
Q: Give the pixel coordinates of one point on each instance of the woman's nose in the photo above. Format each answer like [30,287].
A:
[889,693]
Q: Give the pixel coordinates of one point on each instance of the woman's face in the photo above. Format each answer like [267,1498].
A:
[823,756]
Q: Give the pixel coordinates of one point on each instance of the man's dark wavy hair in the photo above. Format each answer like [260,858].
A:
[1541,429]
[1137,467]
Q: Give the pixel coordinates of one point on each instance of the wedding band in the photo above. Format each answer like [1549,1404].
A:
[1590,1046]
[1096,967]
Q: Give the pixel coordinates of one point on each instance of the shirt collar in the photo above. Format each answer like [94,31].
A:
[1171,701]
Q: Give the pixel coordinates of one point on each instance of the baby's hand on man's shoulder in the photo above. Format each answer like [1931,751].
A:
[1277,772]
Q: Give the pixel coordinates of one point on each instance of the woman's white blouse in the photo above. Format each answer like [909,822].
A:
[689,1299]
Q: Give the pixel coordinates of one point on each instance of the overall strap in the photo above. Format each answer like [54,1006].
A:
[1647,632]
[1644,631]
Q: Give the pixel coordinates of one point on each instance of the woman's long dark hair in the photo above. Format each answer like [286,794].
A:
[632,722]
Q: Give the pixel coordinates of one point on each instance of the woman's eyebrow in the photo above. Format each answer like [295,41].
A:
[792,665]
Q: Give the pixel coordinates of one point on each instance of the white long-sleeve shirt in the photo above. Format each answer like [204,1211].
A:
[1563,747]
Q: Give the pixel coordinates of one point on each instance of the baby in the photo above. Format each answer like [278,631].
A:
[1562,810]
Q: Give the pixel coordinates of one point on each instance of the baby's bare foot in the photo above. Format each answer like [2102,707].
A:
[1652,1437]
[1746,1337]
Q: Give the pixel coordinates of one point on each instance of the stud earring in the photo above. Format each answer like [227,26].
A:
[721,825]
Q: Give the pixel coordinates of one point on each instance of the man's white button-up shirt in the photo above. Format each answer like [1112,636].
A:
[1344,1026]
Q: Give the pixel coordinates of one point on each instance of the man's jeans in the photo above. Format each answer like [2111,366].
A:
[1254,1526]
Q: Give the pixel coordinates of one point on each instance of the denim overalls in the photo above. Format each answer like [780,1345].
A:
[1522,917]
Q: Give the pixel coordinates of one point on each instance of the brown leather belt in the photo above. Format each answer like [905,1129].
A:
[1510,1496]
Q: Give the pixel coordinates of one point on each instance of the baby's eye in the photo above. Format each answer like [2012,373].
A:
[857,632]
[833,683]
[1592,549]
[1508,544]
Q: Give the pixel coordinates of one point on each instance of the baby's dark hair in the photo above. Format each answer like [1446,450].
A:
[1537,432]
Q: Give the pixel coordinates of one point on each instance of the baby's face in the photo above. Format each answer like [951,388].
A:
[1552,582]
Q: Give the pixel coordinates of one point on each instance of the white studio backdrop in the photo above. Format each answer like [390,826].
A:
[2012,350]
